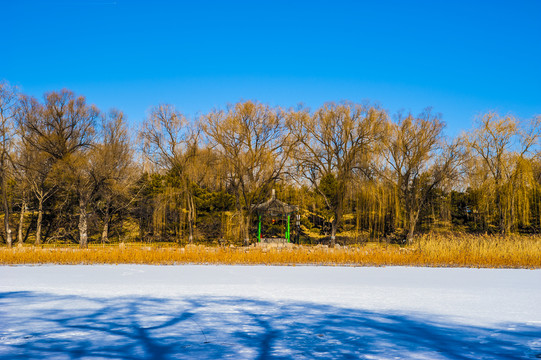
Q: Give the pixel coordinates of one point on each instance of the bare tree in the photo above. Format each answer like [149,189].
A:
[113,170]
[34,163]
[417,160]
[171,143]
[335,143]
[21,164]
[64,133]
[252,140]
[8,110]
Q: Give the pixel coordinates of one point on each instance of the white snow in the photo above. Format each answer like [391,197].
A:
[268,312]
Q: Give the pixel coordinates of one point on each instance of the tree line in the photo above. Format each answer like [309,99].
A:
[72,173]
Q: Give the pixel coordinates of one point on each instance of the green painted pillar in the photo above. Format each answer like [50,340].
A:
[287,232]
[259,229]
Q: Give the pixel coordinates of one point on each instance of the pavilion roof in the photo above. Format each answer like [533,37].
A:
[275,207]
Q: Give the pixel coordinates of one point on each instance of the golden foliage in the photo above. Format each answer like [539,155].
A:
[429,250]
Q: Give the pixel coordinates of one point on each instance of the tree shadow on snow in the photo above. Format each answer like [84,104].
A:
[38,326]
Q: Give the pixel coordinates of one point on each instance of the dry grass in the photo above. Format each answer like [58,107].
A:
[452,250]
[481,250]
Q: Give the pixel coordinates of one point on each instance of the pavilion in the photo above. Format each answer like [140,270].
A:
[275,208]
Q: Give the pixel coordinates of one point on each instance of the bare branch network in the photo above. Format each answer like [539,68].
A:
[72,173]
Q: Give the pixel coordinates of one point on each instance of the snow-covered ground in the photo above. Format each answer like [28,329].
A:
[267,312]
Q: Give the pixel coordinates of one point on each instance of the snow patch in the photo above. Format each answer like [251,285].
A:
[246,312]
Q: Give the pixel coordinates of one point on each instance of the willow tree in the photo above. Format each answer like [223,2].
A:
[417,160]
[334,144]
[255,148]
[170,143]
[502,147]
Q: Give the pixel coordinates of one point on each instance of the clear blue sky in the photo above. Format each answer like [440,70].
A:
[460,57]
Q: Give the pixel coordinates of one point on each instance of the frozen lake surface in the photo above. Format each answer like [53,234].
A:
[268,312]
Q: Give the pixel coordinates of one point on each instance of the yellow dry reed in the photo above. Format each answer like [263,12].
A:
[428,250]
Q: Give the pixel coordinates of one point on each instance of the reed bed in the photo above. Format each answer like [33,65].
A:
[428,250]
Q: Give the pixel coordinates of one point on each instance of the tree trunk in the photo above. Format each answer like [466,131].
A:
[337,219]
[191,218]
[334,225]
[83,223]
[414,216]
[21,219]
[5,203]
[39,221]
[501,215]
[105,231]
[247,231]
[241,219]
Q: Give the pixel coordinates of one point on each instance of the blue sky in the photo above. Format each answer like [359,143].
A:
[462,58]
